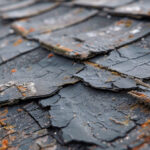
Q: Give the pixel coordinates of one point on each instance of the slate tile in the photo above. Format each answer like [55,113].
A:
[18,4]
[102,3]
[28,11]
[13,46]
[132,60]
[137,9]
[89,44]
[88,115]
[57,19]
[44,78]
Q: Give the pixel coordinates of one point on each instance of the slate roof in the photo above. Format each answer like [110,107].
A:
[74,75]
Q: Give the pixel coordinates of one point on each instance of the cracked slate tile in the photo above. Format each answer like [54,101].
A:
[29,11]
[89,44]
[40,115]
[37,80]
[12,46]
[102,3]
[132,60]
[88,115]
[21,130]
[57,19]
[139,8]
[19,4]
[137,139]
[100,78]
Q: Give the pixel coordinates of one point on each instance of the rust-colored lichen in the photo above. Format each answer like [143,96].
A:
[4,145]
[50,55]
[18,42]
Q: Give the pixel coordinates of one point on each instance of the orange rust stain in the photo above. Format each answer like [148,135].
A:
[18,42]
[31,30]
[4,113]
[21,88]
[79,45]
[21,29]
[131,36]
[64,48]
[147,123]
[4,145]
[138,94]
[127,23]
[2,121]
[50,55]
[13,70]
[92,64]
[19,110]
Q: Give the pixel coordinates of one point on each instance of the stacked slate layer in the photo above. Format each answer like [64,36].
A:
[74,75]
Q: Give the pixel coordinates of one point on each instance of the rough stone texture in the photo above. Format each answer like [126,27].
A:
[139,8]
[29,11]
[22,132]
[58,116]
[12,46]
[40,115]
[37,80]
[57,19]
[88,115]
[88,44]
[132,60]
[103,79]
[102,3]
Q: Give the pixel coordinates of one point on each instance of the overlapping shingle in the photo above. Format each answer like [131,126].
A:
[19,4]
[13,46]
[132,60]
[102,3]
[29,11]
[140,8]
[99,41]
[57,19]
[88,115]
[107,113]
[37,80]
[101,78]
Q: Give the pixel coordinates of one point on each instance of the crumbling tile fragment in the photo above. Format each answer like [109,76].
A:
[132,60]
[88,115]
[100,78]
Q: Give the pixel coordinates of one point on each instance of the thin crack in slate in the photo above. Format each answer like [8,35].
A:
[95,117]
[89,44]
[38,80]
[103,79]
[129,60]
[13,46]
